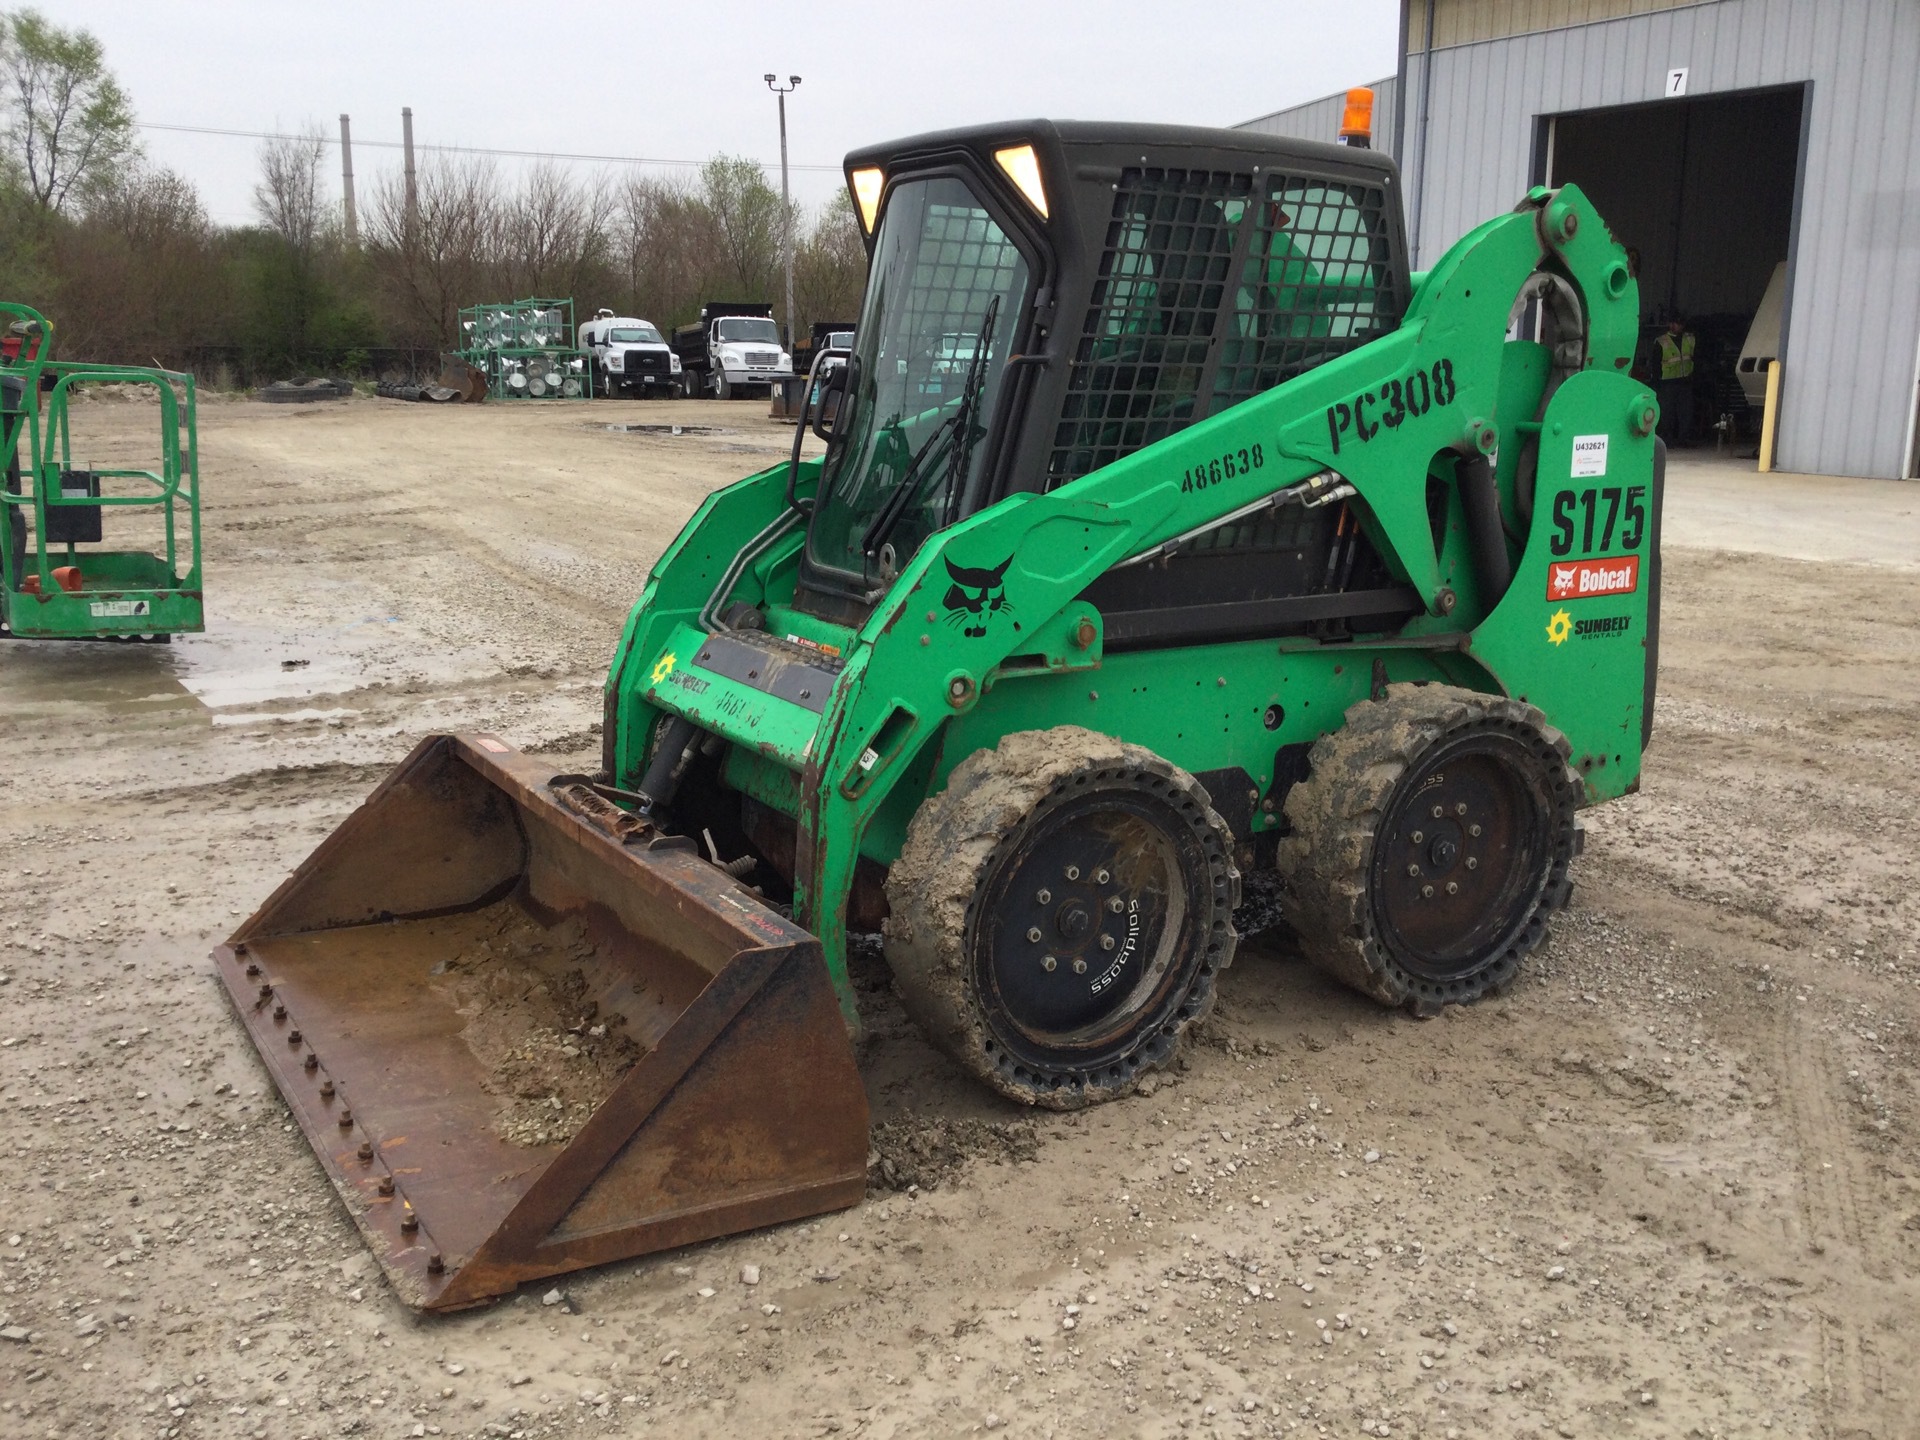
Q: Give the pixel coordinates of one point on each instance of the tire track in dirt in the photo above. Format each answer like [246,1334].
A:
[1832,1209]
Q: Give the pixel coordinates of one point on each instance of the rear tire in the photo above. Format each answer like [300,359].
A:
[1430,847]
[1067,847]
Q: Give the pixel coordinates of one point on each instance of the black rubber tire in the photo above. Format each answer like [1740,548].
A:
[1351,819]
[723,388]
[986,831]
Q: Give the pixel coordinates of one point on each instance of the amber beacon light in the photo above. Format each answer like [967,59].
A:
[1356,125]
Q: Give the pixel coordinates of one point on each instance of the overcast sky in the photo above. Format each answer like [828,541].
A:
[671,81]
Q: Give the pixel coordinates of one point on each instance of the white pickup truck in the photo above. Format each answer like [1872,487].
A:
[629,355]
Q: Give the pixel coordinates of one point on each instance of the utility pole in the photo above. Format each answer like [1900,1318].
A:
[346,182]
[413,194]
[786,202]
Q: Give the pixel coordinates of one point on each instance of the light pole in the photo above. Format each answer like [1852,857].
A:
[786,203]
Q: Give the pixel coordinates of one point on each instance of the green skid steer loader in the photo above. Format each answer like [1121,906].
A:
[1168,526]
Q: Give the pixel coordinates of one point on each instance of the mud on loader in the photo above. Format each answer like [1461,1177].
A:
[1168,526]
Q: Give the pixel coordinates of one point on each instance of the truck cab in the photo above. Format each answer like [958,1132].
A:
[629,355]
[733,349]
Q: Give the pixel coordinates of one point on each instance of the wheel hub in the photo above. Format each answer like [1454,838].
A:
[1456,860]
[1077,923]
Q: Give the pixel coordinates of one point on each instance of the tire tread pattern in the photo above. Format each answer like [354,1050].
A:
[1326,861]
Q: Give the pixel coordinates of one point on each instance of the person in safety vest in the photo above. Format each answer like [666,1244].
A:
[1675,349]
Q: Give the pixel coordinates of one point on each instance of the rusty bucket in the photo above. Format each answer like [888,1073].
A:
[524,1037]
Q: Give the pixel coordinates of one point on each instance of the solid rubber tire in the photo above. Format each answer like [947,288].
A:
[1326,863]
[935,890]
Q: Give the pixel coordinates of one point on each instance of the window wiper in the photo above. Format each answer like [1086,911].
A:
[957,426]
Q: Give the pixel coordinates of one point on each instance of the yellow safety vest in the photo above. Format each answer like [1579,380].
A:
[1676,361]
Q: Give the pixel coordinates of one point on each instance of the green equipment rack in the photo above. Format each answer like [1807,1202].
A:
[526,349]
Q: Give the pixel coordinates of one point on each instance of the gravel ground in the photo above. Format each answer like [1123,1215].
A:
[1665,1187]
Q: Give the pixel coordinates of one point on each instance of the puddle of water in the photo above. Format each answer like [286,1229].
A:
[656,429]
[237,665]
[99,675]
[250,672]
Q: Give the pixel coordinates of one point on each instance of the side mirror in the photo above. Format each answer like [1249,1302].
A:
[827,409]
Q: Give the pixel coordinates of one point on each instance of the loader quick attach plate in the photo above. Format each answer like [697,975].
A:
[520,1047]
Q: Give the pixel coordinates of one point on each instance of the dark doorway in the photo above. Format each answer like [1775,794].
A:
[1703,190]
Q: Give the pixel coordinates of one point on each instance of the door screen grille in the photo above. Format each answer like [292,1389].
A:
[1213,286]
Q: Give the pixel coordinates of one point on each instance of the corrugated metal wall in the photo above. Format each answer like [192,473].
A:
[1461,22]
[1320,119]
[1854,322]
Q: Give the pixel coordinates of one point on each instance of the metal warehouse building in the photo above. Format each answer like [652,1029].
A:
[1723,141]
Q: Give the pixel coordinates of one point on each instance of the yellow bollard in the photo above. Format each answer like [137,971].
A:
[1769,416]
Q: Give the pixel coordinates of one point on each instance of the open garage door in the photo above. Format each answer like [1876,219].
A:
[1702,190]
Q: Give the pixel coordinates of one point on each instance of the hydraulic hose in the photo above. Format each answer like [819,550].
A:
[1485,538]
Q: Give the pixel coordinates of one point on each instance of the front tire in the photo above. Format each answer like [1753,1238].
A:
[1430,847]
[1059,915]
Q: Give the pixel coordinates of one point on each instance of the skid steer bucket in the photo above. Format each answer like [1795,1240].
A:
[525,1033]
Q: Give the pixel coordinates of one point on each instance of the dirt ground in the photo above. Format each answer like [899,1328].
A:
[1667,1187]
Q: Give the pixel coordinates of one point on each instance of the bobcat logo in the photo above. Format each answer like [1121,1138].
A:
[975,595]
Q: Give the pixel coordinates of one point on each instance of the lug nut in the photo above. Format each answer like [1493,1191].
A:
[279,1012]
[346,1119]
[1461,808]
[1044,897]
[1418,836]
[293,1037]
[1073,872]
[1438,811]
[1453,887]
[1116,905]
[409,1221]
[326,1089]
[1413,870]
[266,992]
[252,969]
[1100,877]
[1079,966]
[1426,892]
[1473,862]
[1033,934]
[1473,830]
[312,1062]
[1047,962]
[1107,942]
[366,1150]
[386,1185]
[435,1264]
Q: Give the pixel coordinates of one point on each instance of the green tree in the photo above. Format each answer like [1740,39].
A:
[70,125]
[830,264]
[745,212]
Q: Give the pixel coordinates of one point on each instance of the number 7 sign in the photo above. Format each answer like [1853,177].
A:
[1676,82]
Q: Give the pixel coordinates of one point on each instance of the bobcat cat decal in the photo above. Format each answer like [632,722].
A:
[975,596]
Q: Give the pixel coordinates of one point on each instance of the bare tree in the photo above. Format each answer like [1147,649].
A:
[70,126]
[553,236]
[287,197]
[430,268]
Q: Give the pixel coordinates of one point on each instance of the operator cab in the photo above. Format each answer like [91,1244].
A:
[1047,297]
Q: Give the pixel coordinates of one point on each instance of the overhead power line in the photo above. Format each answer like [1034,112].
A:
[454,149]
